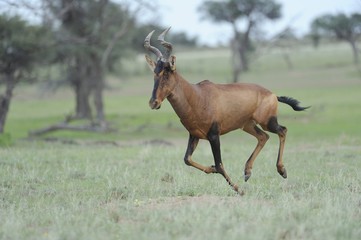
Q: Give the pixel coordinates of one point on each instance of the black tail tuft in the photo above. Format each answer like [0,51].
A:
[292,102]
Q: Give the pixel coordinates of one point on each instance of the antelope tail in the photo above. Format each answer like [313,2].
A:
[292,102]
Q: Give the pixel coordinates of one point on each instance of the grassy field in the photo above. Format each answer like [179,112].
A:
[133,184]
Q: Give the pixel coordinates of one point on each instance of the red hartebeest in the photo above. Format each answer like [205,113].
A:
[208,110]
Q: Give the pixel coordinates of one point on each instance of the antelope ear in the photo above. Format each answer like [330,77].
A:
[172,63]
[150,62]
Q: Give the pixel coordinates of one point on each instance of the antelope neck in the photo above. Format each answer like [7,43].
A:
[182,97]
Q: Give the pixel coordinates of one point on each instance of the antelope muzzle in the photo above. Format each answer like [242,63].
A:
[154,103]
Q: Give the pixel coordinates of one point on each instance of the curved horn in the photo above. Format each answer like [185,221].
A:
[167,45]
[150,47]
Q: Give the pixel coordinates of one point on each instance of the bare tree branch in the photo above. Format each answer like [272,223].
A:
[124,28]
[66,126]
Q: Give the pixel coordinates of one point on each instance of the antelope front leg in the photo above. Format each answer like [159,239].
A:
[192,144]
[213,138]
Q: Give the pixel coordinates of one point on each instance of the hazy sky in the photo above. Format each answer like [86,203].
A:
[182,15]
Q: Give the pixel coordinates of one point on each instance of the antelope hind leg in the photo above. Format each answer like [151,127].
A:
[281,131]
[262,138]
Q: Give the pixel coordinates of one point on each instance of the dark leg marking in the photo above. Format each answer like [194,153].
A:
[192,144]
[213,138]
[281,131]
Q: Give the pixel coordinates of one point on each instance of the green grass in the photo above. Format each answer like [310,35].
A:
[82,192]
[133,184]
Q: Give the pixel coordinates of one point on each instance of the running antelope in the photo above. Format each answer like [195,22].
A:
[208,110]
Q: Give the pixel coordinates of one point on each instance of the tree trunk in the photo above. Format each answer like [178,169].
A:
[5,100]
[236,64]
[98,87]
[98,101]
[241,46]
[243,58]
[89,81]
[239,60]
[244,45]
[286,57]
[82,89]
[355,51]
[82,94]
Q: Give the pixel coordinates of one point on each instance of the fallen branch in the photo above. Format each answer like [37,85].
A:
[66,126]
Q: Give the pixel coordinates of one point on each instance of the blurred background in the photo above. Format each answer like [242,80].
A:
[75,70]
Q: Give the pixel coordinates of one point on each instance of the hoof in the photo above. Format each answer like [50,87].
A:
[240,192]
[211,169]
[283,172]
[246,177]
[247,174]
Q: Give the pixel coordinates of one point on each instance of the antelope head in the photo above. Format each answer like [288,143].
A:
[163,69]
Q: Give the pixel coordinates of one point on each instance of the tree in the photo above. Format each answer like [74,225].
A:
[90,36]
[20,50]
[343,27]
[253,12]
[285,41]
[89,32]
